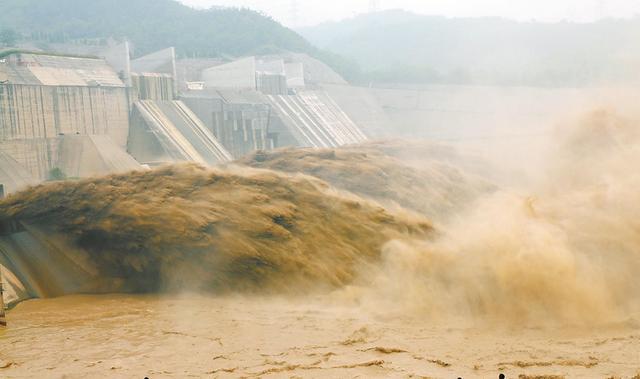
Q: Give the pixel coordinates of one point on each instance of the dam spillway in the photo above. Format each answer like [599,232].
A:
[70,116]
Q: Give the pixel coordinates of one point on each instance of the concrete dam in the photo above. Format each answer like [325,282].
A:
[67,116]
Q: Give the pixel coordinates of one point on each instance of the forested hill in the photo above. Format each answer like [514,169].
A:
[152,25]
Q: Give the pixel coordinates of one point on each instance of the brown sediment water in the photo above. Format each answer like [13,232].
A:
[188,227]
[566,253]
[538,283]
[434,186]
[133,336]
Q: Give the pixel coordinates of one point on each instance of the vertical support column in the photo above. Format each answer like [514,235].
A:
[127,64]
[174,73]
[3,320]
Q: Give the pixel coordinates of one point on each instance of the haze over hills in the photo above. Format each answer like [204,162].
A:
[398,46]
[155,24]
[150,24]
[382,48]
[238,209]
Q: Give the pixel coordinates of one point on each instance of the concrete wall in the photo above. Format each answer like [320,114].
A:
[38,156]
[28,111]
[33,117]
[61,268]
[512,127]
[363,108]
[168,131]
[153,87]
[314,119]
[241,128]
[13,176]
[295,74]
[162,61]
[272,84]
[240,74]
[82,156]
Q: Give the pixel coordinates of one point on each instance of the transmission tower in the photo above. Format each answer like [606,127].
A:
[374,6]
[601,9]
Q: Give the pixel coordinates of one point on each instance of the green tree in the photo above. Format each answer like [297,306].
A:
[56,174]
[156,24]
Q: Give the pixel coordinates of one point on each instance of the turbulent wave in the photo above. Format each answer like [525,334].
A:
[223,229]
[420,178]
[568,253]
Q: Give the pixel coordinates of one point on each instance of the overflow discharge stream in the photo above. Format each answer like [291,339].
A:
[566,252]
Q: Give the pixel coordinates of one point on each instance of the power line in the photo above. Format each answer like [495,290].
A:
[295,13]
[601,9]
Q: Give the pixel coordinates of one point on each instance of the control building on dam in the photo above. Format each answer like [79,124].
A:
[98,112]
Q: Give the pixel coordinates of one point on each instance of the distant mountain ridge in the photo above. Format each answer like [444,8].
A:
[327,33]
[150,24]
[156,24]
[398,46]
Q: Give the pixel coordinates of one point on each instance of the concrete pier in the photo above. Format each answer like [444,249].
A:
[3,320]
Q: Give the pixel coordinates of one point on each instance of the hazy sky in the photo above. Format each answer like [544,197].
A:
[310,12]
